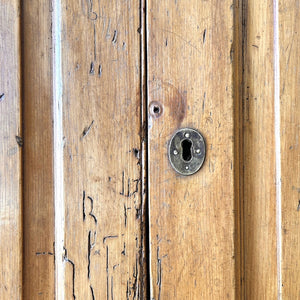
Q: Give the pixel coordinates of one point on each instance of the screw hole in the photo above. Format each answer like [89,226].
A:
[156,109]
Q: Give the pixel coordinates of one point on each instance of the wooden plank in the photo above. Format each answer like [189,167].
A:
[101,73]
[259,153]
[38,209]
[10,153]
[289,39]
[190,78]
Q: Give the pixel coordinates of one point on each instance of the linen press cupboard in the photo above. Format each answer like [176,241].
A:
[91,93]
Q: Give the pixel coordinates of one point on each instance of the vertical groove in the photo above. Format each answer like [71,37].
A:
[58,151]
[145,150]
[238,81]
[146,43]
[244,6]
[277,143]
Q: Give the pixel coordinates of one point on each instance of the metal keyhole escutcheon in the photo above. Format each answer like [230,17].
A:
[186,151]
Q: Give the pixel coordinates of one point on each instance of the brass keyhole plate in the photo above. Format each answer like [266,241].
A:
[186,151]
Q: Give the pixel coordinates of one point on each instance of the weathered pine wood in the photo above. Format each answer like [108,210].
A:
[38,208]
[259,190]
[289,24]
[104,217]
[10,153]
[190,79]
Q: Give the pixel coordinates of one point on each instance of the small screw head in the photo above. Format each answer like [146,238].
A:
[187,135]
[175,152]
[198,151]
[186,167]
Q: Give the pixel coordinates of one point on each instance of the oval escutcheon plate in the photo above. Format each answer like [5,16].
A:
[186,151]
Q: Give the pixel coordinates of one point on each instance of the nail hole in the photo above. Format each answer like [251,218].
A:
[186,150]
[156,109]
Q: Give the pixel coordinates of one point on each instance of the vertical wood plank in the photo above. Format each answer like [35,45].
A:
[102,153]
[259,153]
[289,25]
[10,153]
[191,84]
[38,209]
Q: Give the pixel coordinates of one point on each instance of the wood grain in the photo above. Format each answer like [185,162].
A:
[38,209]
[104,217]
[190,77]
[289,24]
[259,194]
[10,153]
[209,65]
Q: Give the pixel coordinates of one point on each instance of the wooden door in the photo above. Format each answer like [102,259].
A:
[91,92]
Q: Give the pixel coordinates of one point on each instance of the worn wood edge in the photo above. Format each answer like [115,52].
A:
[58,164]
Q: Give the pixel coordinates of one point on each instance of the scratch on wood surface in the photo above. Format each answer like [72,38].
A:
[115,36]
[231,53]
[183,39]
[19,141]
[136,181]
[298,190]
[109,237]
[129,193]
[92,292]
[135,276]
[73,271]
[83,206]
[95,48]
[125,215]
[91,245]
[92,70]
[127,291]
[112,288]
[159,273]
[136,153]
[43,253]
[107,273]
[92,15]
[86,130]
[204,35]
[100,71]
[92,208]
[124,250]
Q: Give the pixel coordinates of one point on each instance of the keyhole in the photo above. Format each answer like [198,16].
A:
[186,150]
